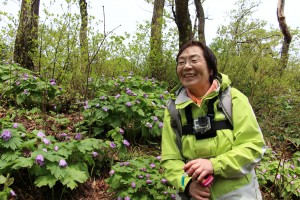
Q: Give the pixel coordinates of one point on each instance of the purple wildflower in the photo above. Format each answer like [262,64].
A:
[45,150]
[97,105]
[40,134]
[112,172]
[158,157]
[127,198]
[46,141]
[25,91]
[155,118]
[148,175]
[165,192]
[78,136]
[52,82]
[94,154]
[15,125]
[141,176]
[62,163]
[121,164]
[102,97]
[148,181]
[126,163]
[129,104]
[173,196]
[105,108]
[126,143]
[145,95]
[278,176]
[56,148]
[161,96]
[117,96]
[164,181]
[133,185]
[121,131]
[119,198]
[39,160]
[152,165]
[160,125]
[143,169]
[112,145]
[6,135]
[292,166]
[18,82]
[12,193]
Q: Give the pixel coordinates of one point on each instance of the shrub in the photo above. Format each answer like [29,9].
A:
[140,179]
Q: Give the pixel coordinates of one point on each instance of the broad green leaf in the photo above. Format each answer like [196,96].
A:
[23,162]
[13,143]
[49,180]
[10,156]
[57,171]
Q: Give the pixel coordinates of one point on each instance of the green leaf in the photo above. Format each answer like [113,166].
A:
[49,180]
[141,112]
[73,176]
[13,143]
[57,171]
[23,162]
[10,156]
[2,179]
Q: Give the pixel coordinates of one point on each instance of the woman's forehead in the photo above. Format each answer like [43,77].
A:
[191,51]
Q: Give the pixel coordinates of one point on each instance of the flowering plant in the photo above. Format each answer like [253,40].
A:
[22,87]
[132,103]
[139,178]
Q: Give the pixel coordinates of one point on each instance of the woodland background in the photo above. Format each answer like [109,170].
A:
[96,99]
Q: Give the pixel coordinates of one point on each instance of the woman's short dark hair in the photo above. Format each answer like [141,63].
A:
[209,56]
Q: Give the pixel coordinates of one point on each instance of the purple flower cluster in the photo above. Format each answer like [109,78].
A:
[63,163]
[77,136]
[39,160]
[126,143]
[52,82]
[6,135]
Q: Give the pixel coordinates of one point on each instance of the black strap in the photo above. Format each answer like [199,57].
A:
[215,125]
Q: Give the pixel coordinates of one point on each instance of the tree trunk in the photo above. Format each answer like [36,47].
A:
[27,34]
[201,20]
[287,38]
[156,51]
[183,21]
[84,35]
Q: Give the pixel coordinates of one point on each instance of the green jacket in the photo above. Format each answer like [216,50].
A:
[233,153]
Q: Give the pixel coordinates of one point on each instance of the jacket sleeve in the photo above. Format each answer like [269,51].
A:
[248,145]
[171,159]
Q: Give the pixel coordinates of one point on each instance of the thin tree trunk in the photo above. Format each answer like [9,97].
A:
[201,20]
[183,21]
[27,34]
[83,34]
[287,38]
[156,52]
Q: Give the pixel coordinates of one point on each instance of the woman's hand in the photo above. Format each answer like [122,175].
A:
[198,169]
[199,192]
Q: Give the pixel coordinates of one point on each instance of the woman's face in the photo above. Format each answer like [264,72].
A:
[193,71]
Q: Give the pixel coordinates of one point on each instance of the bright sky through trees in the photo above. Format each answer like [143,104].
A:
[130,12]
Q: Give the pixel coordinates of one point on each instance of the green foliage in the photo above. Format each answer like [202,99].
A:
[46,159]
[139,178]
[132,103]
[22,87]
[6,191]
[278,177]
